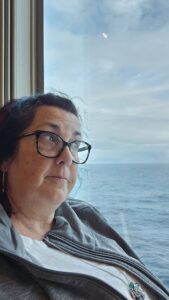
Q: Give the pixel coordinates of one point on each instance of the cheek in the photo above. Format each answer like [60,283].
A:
[25,161]
[31,171]
[74,170]
[35,170]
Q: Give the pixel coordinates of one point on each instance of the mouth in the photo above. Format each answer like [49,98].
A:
[58,178]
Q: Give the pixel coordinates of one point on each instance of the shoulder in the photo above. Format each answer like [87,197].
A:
[80,211]
[79,205]
[83,218]
[85,210]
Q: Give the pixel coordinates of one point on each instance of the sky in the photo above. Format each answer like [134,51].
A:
[111,58]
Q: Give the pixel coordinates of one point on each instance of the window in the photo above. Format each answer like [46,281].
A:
[112,58]
[21,48]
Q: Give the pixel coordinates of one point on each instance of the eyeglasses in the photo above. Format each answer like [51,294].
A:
[51,145]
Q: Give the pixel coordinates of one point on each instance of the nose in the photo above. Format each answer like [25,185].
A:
[65,157]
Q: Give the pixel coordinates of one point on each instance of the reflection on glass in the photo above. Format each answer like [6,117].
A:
[114,56]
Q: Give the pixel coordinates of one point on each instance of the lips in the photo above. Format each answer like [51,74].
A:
[58,177]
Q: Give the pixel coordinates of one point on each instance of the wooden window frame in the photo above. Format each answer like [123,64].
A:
[21,48]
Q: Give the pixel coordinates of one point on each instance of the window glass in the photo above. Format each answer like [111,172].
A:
[111,57]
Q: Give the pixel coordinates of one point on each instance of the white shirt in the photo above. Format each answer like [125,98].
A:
[57,260]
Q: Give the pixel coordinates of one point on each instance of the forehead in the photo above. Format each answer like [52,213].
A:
[62,120]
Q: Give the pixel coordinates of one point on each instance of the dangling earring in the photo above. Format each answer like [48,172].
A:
[3,182]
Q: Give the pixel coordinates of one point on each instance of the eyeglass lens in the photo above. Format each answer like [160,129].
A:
[50,145]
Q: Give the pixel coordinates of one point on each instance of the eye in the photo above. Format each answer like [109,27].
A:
[75,145]
[50,137]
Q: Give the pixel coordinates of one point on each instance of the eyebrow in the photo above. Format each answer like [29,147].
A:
[57,128]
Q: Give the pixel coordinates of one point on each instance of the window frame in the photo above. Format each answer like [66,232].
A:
[21,48]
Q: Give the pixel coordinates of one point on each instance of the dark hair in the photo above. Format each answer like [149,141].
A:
[17,115]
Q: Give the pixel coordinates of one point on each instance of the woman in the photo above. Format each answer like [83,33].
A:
[53,247]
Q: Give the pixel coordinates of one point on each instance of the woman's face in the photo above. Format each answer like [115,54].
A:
[36,179]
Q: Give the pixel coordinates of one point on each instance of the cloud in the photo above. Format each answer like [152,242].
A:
[83,57]
[136,15]
[70,7]
[123,78]
[134,121]
[92,17]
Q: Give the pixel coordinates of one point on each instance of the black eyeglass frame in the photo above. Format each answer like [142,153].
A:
[37,133]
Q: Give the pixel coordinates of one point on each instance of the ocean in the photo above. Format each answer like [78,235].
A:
[134,198]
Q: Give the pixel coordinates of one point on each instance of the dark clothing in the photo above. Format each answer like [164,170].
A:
[80,230]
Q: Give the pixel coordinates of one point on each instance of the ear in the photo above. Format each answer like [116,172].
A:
[4,166]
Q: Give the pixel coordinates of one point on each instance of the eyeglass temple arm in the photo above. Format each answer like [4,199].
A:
[84,148]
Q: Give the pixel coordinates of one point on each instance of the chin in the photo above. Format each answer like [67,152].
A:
[57,198]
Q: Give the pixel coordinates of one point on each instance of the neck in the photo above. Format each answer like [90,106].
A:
[30,217]
[32,227]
